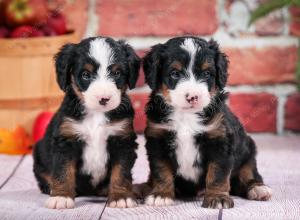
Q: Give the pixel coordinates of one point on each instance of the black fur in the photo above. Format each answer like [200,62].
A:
[230,152]
[54,151]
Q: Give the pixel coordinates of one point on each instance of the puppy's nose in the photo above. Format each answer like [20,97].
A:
[192,99]
[104,101]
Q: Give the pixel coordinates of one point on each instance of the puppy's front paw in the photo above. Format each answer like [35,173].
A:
[158,201]
[217,202]
[260,193]
[60,202]
[122,203]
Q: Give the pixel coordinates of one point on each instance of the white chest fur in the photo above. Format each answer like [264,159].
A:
[94,129]
[187,125]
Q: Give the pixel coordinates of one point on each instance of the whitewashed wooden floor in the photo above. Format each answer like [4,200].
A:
[278,159]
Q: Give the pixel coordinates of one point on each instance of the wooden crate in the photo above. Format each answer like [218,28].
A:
[27,78]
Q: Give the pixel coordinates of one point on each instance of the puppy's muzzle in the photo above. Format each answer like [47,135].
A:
[104,100]
[191,99]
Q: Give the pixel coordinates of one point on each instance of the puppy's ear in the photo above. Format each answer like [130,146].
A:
[133,62]
[63,65]
[152,65]
[221,63]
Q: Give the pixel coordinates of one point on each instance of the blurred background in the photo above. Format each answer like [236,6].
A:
[260,38]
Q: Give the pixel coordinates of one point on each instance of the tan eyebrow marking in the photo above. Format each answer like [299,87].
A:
[177,65]
[114,67]
[205,65]
[89,67]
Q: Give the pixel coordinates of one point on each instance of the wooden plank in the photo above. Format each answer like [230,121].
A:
[37,46]
[179,211]
[7,164]
[10,118]
[20,198]
[29,204]
[28,77]
[30,103]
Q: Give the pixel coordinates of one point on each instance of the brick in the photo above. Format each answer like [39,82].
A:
[295,21]
[292,113]
[75,12]
[139,101]
[257,112]
[268,65]
[272,24]
[141,79]
[157,17]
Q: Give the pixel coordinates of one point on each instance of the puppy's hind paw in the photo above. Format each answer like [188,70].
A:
[260,193]
[123,203]
[158,201]
[60,202]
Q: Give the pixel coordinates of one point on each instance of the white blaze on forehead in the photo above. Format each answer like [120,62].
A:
[190,85]
[190,46]
[103,86]
[101,51]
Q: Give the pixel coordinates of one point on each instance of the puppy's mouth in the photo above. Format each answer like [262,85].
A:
[194,107]
[106,104]
[102,103]
[191,108]
[188,107]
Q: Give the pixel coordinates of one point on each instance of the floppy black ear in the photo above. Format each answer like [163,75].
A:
[152,65]
[134,63]
[63,65]
[221,63]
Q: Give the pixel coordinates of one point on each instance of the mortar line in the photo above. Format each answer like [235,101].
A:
[223,38]
[93,20]
[280,114]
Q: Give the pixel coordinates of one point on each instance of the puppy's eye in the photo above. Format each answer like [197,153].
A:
[175,74]
[85,75]
[117,74]
[206,74]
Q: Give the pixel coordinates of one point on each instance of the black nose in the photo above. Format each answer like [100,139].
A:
[191,99]
[103,101]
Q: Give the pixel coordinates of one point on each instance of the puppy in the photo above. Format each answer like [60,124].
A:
[194,141]
[89,146]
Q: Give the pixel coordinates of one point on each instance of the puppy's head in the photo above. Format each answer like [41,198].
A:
[98,70]
[187,71]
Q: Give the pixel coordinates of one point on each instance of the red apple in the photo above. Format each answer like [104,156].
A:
[48,31]
[25,32]
[57,22]
[55,5]
[37,33]
[2,18]
[40,125]
[4,32]
[20,12]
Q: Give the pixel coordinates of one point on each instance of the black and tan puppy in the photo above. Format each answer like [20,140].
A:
[194,141]
[89,146]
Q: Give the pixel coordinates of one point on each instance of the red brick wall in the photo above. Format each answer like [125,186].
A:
[262,58]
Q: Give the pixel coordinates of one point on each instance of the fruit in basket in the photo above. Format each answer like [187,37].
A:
[57,22]
[15,142]
[2,18]
[20,12]
[40,125]
[4,32]
[26,31]
[48,31]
